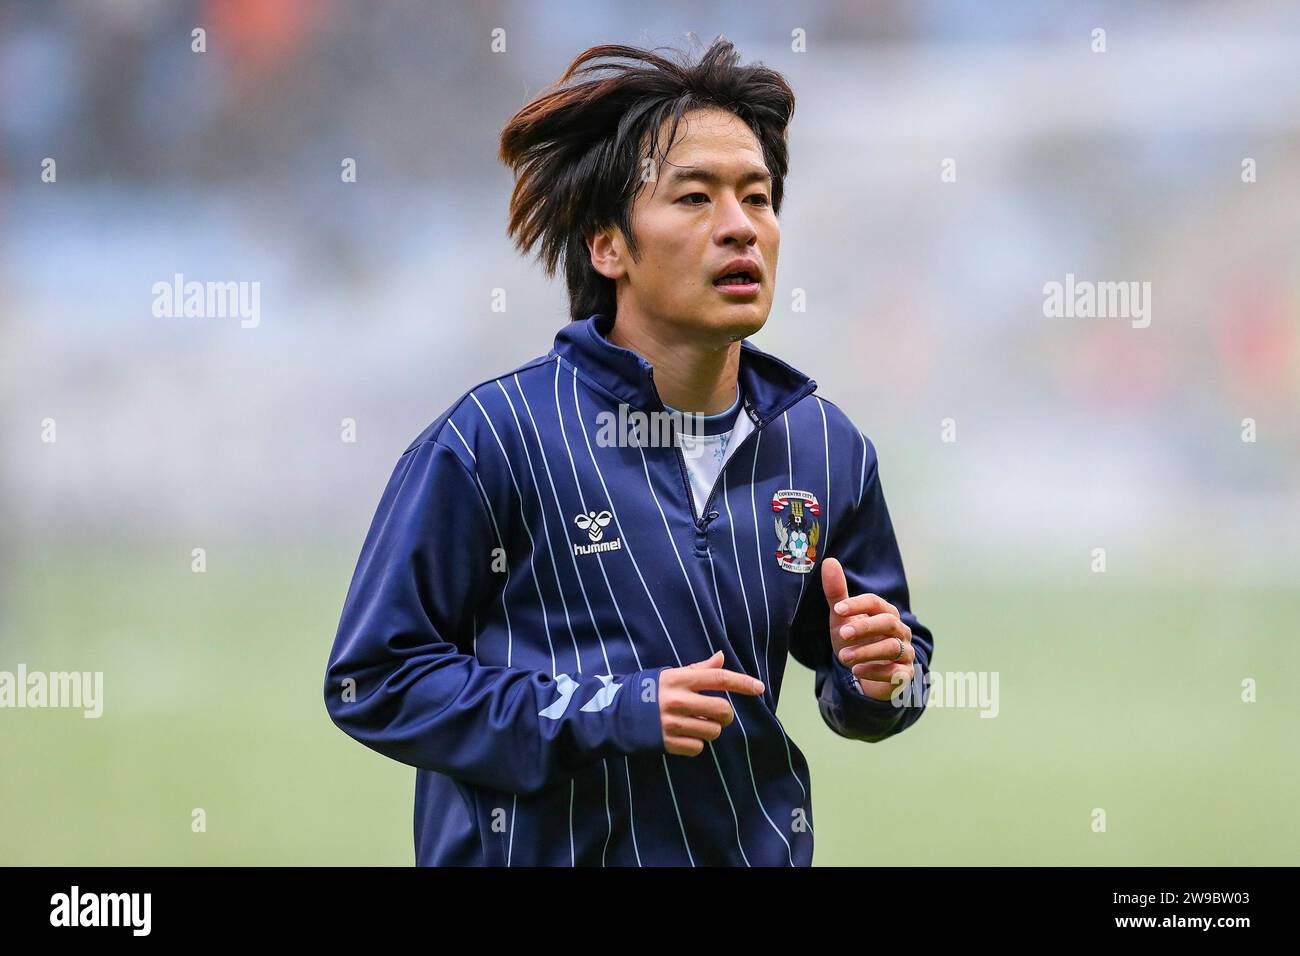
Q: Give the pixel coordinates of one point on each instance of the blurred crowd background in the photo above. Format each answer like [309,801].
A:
[924,303]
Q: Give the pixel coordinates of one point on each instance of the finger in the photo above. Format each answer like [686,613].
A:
[715,661]
[833,583]
[691,705]
[864,604]
[709,679]
[874,626]
[877,690]
[886,650]
[879,670]
[692,727]
[684,746]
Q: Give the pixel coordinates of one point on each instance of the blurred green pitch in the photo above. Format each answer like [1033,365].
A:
[1116,693]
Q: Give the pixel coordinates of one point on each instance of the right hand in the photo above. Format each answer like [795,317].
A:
[690,717]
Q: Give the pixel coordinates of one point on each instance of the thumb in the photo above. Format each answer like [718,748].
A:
[833,583]
[715,661]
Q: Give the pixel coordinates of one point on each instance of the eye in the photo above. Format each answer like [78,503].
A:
[761,197]
[691,196]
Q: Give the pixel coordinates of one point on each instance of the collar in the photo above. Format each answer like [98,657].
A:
[712,425]
[768,386]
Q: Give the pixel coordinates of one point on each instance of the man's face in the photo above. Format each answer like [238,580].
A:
[710,204]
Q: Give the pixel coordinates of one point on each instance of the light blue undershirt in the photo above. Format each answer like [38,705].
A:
[706,444]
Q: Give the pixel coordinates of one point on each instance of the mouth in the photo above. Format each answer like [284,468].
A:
[739,279]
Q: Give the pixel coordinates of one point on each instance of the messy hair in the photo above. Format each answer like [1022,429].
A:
[578,149]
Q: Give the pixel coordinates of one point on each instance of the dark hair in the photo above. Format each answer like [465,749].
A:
[575,150]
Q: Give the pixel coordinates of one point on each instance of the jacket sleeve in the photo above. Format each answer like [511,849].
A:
[865,545]
[402,677]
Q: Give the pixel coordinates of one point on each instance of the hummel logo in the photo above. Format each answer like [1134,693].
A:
[595,523]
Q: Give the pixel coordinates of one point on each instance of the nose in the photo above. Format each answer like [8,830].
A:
[733,223]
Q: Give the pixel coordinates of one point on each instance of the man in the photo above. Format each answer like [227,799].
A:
[577,633]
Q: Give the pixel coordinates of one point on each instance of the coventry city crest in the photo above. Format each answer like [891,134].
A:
[797,529]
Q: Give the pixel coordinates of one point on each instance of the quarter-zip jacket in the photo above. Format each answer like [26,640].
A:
[537,558]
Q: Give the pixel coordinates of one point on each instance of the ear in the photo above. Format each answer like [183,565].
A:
[608,252]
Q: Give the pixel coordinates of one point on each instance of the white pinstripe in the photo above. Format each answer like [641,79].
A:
[758,556]
[862,477]
[789,460]
[741,722]
[767,616]
[559,511]
[826,444]
[577,410]
[555,568]
[496,530]
[582,500]
[514,804]
[546,528]
[740,577]
[707,640]
[803,580]
[541,601]
[744,597]
[532,555]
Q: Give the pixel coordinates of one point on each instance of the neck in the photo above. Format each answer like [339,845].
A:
[690,376]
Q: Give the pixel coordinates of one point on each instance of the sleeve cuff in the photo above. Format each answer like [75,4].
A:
[849,683]
[640,722]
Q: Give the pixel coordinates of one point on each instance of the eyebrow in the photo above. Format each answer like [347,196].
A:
[705,175]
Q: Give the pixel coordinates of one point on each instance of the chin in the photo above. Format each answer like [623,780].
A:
[742,322]
[730,323]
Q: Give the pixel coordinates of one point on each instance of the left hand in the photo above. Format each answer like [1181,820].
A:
[869,647]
